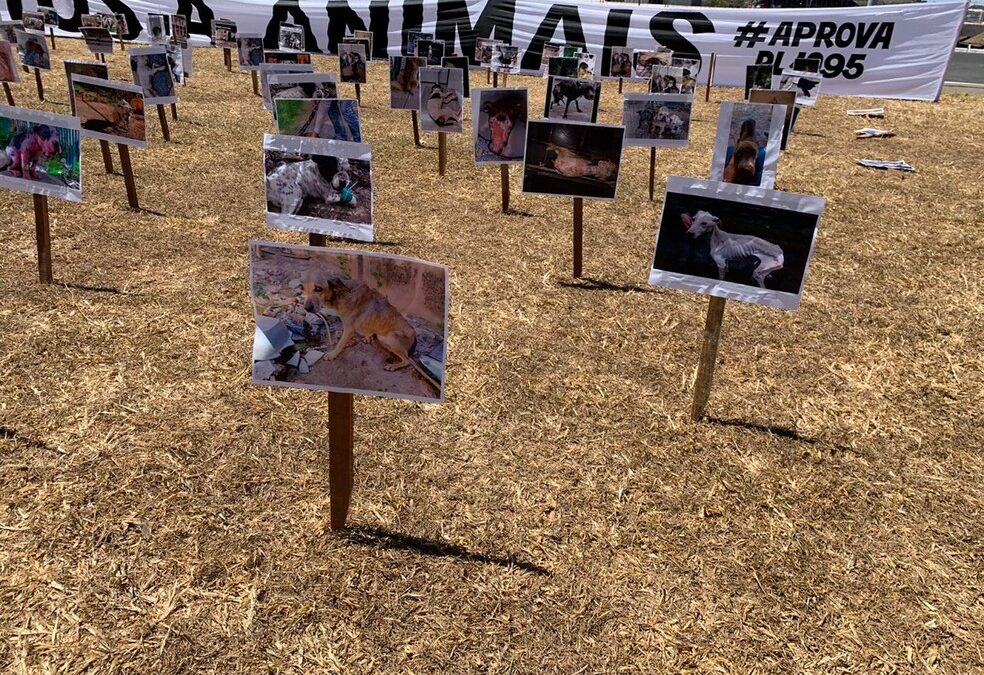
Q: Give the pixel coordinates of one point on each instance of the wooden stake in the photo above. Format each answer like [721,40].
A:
[122,46]
[504,170]
[442,152]
[710,77]
[44,238]
[101,57]
[495,79]
[37,80]
[708,357]
[620,85]
[416,128]
[488,76]
[10,94]
[578,234]
[227,55]
[652,172]
[341,459]
[174,112]
[256,83]
[358,94]
[504,76]
[52,33]
[165,131]
[107,157]
[131,183]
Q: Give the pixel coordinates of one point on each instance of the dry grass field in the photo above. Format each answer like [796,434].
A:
[561,513]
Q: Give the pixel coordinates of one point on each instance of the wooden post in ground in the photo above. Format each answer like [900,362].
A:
[708,357]
[504,170]
[174,112]
[416,128]
[710,77]
[358,94]
[37,80]
[51,30]
[101,57]
[578,234]
[107,157]
[131,183]
[442,152]
[652,172]
[256,83]
[43,232]
[620,85]
[495,78]
[10,94]
[165,131]
[504,77]
[488,76]
[227,55]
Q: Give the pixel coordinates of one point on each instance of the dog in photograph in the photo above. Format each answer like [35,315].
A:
[504,114]
[741,167]
[406,77]
[29,149]
[364,312]
[444,106]
[566,92]
[621,65]
[726,247]
[569,164]
[320,178]
[806,86]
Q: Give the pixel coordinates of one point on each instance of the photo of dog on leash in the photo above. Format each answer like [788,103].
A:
[657,120]
[110,111]
[40,153]
[746,150]
[735,241]
[499,125]
[572,159]
[571,98]
[345,321]
[317,185]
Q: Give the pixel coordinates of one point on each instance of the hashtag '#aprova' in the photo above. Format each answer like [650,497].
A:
[751,33]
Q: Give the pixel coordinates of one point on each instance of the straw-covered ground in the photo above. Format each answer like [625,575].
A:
[561,513]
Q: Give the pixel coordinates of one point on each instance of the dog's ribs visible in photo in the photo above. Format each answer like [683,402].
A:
[726,246]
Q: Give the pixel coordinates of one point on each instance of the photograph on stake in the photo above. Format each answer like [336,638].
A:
[367,36]
[806,86]
[441,99]
[499,125]
[746,149]
[643,62]
[484,49]
[157,28]
[97,40]
[667,80]
[777,97]
[413,37]
[333,119]
[621,62]
[505,58]
[179,30]
[431,51]
[572,99]
[757,77]
[32,48]
[657,120]
[585,66]
[291,38]
[224,33]
[43,153]
[250,49]
[735,241]
[8,68]
[8,31]
[562,66]
[33,21]
[275,56]
[572,159]
[151,70]
[405,82]
[352,63]
[110,111]
[551,50]
[346,321]
[270,70]
[461,63]
[320,186]
[300,85]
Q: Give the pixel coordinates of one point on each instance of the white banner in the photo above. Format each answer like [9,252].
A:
[893,51]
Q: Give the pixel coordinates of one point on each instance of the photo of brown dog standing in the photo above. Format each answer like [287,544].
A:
[337,320]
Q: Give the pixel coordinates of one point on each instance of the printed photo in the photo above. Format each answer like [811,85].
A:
[152,71]
[110,111]
[746,150]
[348,321]
[757,77]
[441,99]
[690,67]
[33,50]
[777,97]
[88,69]
[505,59]
[175,59]
[315,185]
[562,66]
[412,39]
[179,30]
[570,51]
[572,159]
[807,64]
[551,50]
[334,119]
[499,125]
[250,49]
[657,120]
[157,29]
[43,153]
[50,16]
[277,56]
[97,40]
[367,36]
[268,70]
[300,85]
[33,21]
[121,25]
[667,80]
[484,48]
[365,42]
[573,99]
[291,38]
[461,63]
[585,66]
[735,241]
[432,51]
[8,31]
[108,21]
[352,63]
[644,61]
[224,33]
[806,86]
[405,82]
[8,69]
[621,62]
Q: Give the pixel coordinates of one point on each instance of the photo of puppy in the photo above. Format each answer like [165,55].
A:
[40,153]
[572,159]
[86,68]
[352,63]
[151,70]
[250,50]
[405,82]
[746,150]
[499,125]
[110,111]
[8,69]
[657,120]
[620,64]
[734,241]
[335,119]
[317,185]
[32,48]
[441,99]
[345,321]
[564,92]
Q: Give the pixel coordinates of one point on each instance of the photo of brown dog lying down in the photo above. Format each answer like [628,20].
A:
[350,322]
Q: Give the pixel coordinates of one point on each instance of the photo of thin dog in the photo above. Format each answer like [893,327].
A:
[565,92]
[405,82]
[734,241]
[40,153]
[338,320]
[499,125]
[657,120]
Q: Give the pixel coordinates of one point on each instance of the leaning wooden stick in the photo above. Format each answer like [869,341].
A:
[128,179]
[10,94]
[504,170]
[37,80]
[620,85]
[256,83]
[43,232]
[652,172]
[162,116]
[228,58]
[442,152]
[710,77]
[107,157]
[416,128]
[52,33]
[708,357]
[174,112]
[578,234]
[358,94]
